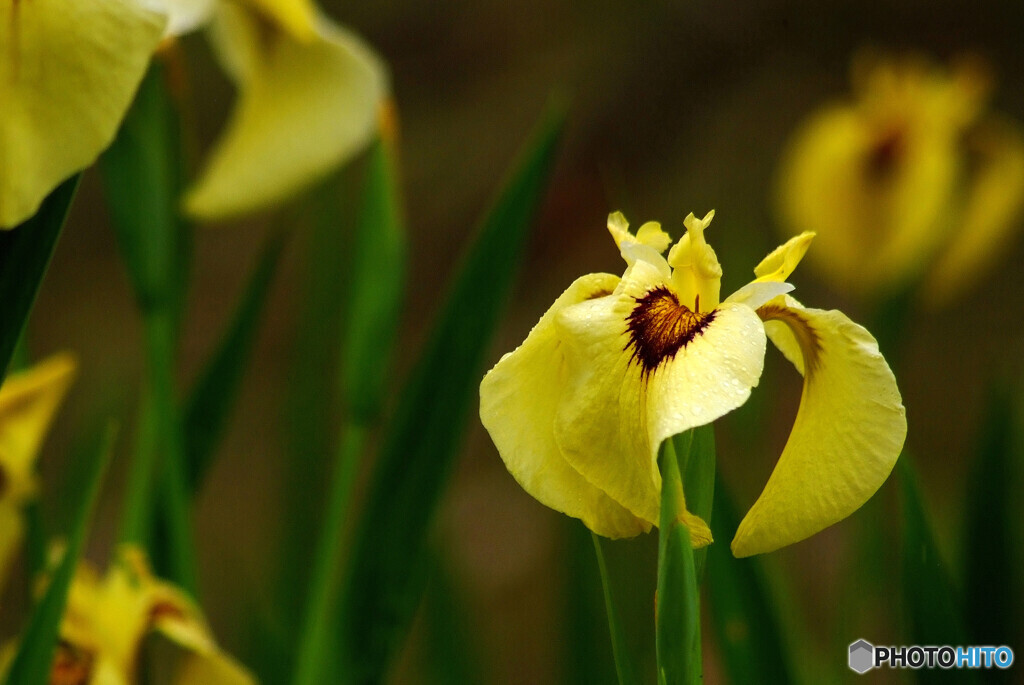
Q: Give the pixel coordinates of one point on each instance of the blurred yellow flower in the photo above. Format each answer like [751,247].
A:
[910,179]
[107,618]
[617,365]
[28,402]
[68,71]
[309,96]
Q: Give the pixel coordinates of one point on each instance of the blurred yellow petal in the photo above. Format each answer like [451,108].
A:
[528,384]
[992,211]
[108,617]
[28,402]
[68,71]
[878,178]
[642,368]
[304,108]
[847,436]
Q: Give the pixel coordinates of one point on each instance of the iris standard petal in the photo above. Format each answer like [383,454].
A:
[68,71]
[304,108]
[848,432]
[644,367]
[519,398]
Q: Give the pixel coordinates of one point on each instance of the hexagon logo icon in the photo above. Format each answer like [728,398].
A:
[862,656]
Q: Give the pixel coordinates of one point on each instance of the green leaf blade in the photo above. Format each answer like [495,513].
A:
[33,660]
[215,393]
[677,613]
[625,670]
[25,253]
[386,580]
[933,613]
[743,614]
[376,291]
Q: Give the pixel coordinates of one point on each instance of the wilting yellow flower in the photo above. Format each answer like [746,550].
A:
[617,365]
[68,71]
[309,95]
[909,179]
[28,402]
[107,619]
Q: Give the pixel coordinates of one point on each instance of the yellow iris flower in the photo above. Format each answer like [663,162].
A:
[28,402]
[107,618]
[909,179]
[309,97]
[68,72]
[617,365]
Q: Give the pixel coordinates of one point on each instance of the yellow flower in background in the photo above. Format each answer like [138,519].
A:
[68,72]
[617,365]
[108,617]
[309,96]
[909,179]
[28,403]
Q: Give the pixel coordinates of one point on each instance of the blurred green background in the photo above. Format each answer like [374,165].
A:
[675,107]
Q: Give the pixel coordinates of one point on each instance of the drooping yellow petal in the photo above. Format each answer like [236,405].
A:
[519,398]
[642,368]
[68,71]
[304,108]
[28,402]
[847,436]
[991,213]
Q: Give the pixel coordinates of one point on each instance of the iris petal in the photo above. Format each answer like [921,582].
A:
[518,400]
[305,108]
[614,414]
[68,71]
[848,432]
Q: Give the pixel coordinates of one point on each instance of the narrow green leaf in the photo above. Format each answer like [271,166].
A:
[450,644]
[312,416]
[419,449]
[374,301]
[33,660]
[25,253]
[992,553]
[143,177]
[677,607]
[588,653]
[746,625]
[698,479]
[624,668]
[213,396]
[173,547]
[932,606]
[376,290]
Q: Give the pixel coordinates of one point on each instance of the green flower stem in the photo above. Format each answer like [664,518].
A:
[677,606]
[160,450]
[316,630]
